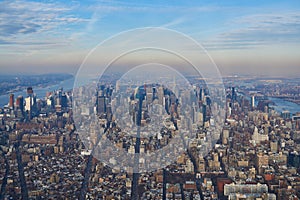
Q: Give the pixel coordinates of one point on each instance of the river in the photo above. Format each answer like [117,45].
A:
[40,92]
[280,104]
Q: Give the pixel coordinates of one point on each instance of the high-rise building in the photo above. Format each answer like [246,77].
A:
[225,136]
[118,86]
[286,114]
[19,106]
[204,114]
[263,106]
[194,113]
[29,91]
[294,159]
[253,101]
[20,103]
[233,95]
[11,101]
[101,106]
[261,160]
[201,94]
[160,94]
[64,100]
[30,102]
[259,137]
[149,97]
[109,112]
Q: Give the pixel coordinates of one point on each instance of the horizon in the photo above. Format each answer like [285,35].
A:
[243,38]
[232,75]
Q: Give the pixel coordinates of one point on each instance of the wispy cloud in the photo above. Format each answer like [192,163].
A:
[25,22]
[175,22]
[118,6]
[19,19]
[259,30]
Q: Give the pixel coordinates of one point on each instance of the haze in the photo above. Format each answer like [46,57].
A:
[242,37]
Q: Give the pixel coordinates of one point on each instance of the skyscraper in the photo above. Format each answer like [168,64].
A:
[20,103]
[253,101]
[30,102]
[233,95]
[101,106]
[204,113]
[20,106]
[11,101]
[29,91]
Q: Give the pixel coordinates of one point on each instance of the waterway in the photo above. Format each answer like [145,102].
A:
[40,92]
[280,104]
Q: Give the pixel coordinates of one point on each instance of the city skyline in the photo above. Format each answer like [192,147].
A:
[245,38]
[110,99]
[51,149]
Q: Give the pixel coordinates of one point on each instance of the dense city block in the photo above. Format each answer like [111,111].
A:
[256,154]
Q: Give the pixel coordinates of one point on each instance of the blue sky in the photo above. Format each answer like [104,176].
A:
[243,37]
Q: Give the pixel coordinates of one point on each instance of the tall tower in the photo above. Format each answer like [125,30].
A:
[20,103]
[204,114]
[19,107]
[118,86]
[233,97]
[160,94]
[201,94]
[64,100]
[101,106]
[252,101]
[29,102]
[11,101]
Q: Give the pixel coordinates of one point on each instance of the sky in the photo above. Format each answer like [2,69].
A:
[242,37]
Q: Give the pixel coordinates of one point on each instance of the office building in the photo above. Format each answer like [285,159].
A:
[11,101]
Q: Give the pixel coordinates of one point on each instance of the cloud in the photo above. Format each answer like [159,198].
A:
[270,28]
[122,6]
[16,28]
[4,42]
[174,22]
[259,30]
[29,19]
